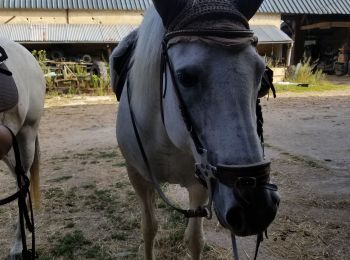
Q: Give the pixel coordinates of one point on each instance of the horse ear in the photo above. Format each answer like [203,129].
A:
[248,7]
[168,9]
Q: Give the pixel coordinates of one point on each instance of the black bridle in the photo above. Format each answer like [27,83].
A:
[251,175]
[248,176]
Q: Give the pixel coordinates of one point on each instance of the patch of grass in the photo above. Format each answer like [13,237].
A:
[94,162]
[74,245]
[307,160]
[68,245]
[177,224]
[108,154]
[93,156]
[172,232]
[304,72]
[304,159]
[324,86]
[97,252]
[61,158]
[54,193]
[120,235]
[70,225]
[83,156]
[120,185]
[120,164]
[62,178]
[89,186]
[161,204]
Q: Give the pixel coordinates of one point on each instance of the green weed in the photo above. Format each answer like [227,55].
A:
[305,73]
[62,178]
[68,245]
[325,86]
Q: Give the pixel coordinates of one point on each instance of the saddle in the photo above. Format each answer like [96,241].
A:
[120,62]
[8,88]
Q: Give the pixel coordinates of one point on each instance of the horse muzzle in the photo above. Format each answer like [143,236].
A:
[245,201]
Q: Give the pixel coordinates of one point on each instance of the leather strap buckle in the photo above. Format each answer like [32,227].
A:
[246,182]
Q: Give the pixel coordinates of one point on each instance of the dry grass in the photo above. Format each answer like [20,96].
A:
[83,217]
[90,211]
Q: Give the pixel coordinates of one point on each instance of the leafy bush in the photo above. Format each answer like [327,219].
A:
[83,82]
[305,72]
[99,85]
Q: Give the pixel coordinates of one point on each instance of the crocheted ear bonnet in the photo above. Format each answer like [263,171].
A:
[205,14]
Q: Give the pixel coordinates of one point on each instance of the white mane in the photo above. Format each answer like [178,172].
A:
[145,73]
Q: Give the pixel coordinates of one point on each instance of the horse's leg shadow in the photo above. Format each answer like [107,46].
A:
[194,238]
[145,192]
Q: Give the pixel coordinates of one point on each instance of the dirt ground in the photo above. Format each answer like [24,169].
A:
[89,210]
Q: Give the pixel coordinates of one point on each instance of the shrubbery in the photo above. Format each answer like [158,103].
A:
[82,81]
[305,73]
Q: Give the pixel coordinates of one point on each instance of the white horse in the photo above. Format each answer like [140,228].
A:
[203,114]
[23,120]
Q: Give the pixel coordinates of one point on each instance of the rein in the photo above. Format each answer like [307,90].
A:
[26,217]
[189,213]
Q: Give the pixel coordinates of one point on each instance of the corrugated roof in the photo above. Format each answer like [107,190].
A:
[268,6]
[77,4]
[96,33]
[65,33]
[268,34]
[319,7]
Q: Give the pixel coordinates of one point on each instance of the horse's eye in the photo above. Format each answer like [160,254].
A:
[187,79]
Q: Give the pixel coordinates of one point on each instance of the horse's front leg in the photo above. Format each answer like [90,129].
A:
[145,192]
[26,140]
[194,238]
[17,248]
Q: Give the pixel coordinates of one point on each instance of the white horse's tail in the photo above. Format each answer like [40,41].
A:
[34,176]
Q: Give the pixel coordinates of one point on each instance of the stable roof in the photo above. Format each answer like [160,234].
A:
[270,34]
[318,7]
[131,5]
[65,33]
[97,33]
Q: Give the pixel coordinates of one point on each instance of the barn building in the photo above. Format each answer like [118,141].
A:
[94,27]
[71,27]
[320,29]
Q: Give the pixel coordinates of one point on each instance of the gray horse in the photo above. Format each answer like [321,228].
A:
[22,101]
[190,100]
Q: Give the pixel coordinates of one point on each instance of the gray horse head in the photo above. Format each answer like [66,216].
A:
[215,81]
